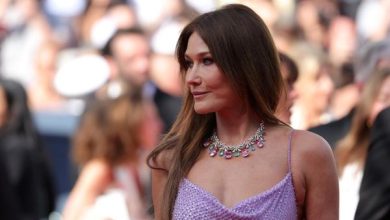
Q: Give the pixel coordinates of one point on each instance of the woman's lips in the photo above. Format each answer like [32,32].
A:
[198,94]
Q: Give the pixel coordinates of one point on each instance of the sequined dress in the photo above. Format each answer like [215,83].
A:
[276,203]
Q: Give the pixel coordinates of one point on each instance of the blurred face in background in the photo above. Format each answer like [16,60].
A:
[46,62]
[315,87]
[324,88]
[131,54]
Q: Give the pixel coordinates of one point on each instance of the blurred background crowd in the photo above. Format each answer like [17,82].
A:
[66,65]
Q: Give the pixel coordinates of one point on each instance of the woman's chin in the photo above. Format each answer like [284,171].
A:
[201,110]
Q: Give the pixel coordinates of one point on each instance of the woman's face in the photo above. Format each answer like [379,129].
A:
[382,100]
[3,107]
[315,89]
[206,82]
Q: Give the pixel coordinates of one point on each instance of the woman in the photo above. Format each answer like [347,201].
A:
[26,162]
[289,71]
[314,86]
[351,151]
[109,147]
[227,156]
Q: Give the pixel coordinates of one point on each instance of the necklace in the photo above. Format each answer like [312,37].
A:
[215,146]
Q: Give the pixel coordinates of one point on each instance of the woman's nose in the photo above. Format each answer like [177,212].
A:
[192,76]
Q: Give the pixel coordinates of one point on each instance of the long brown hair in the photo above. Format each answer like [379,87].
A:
[353,147]
[242,47]
[109,130]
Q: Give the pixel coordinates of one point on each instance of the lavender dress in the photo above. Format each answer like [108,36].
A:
[276,203]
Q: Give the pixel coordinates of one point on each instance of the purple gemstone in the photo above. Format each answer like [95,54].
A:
[228,154]
[245,153]
[206,143]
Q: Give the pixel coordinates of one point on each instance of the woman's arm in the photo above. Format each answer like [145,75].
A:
[159,179]
[320,176]
[94,178]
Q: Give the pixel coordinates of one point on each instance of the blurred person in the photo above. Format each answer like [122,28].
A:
[265,9]
[372,21]
[346,93]
[165,70]
[289,71]
[374,196]
[314,86]
[233,84]
[42,94]
[313,19]
[341,40]
[93,11]
[151,14]
[118,15]
[351,151]
[99,19]
[27,28]
[8,204]
[367,59]
[62,16]
[109,146]
[128,53]
[27,165]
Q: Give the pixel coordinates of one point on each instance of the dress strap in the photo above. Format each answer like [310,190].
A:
[289,149]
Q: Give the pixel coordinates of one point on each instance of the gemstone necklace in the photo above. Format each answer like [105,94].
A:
[215,146]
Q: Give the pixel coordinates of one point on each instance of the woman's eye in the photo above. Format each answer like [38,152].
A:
[207,61]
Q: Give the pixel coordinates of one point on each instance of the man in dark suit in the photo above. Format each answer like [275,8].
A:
[9,207]
[374,202]
[370,57]
[334,131]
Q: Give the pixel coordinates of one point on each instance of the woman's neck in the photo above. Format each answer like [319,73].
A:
[234,128]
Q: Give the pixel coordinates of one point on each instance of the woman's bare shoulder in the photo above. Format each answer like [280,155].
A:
[312,151]
[314,162]
[308,142]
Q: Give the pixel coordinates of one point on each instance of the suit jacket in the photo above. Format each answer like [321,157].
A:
[374,203]
[9,207]
[334,131]
[29,176]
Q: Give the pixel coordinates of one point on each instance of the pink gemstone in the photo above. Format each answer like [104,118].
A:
[213,153]
[245,153]
[206,143]
[260,145]
[228,154]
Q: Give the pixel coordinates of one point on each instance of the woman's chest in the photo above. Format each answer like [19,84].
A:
[235,180]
